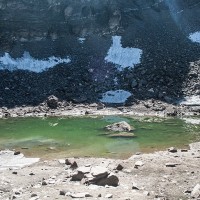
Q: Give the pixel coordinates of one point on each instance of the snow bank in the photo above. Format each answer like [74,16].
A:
[195,37]
[115,96]
[27,62]
[124,57]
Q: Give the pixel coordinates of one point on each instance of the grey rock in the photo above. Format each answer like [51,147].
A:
[119,127]
[52,102]
[172,150]
[196,191]
[135,186]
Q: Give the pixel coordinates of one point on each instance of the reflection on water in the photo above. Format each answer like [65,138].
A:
[87,136]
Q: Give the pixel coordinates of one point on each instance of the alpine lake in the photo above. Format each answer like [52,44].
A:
[55,137]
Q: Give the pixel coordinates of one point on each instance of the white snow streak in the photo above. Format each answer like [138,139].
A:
[27,62]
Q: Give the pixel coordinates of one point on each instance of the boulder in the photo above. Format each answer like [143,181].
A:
[52,102]
[119,127]
[77,176]
[110,180]
[99,172]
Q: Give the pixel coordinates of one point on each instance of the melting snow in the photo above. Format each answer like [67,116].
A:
[191,101]
[27,62]
[124,57]
[115,96]
[195,37]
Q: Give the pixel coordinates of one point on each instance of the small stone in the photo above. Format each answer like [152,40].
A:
[196,191]
[31,174]
[99,195]
[17,153]
[74,165]
[67,162]
[172,150]
[171,164]
[33,195]
[135,186]
[62,192]
[80,195]
[44,182]
[119,167]
[138,164]
[146,193]
[109,196]
[184,150]
[14,173]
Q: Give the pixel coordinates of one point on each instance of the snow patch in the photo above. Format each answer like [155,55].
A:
[81,40]
[27,62]
[191,101]
[195,37]
[124,57]
[115,96]
[9,160]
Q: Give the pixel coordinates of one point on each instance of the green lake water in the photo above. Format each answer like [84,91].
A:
[64,137]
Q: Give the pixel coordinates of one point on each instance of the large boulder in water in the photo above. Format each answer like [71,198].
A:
[120,127]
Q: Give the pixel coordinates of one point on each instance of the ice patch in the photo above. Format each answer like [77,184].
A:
[115,96]
[191,101]
[81,40]
[195,37]
[124,57]
[27,62]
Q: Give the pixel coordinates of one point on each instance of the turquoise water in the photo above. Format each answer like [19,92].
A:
[58,137]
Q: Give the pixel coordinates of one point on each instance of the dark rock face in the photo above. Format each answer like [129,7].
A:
[52,27]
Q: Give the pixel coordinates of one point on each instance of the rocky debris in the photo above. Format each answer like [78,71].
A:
[52,102]
[95,175]
[172,150]
[196,192]
[119,127]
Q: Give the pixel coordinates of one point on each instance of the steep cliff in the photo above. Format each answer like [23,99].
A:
[79,50]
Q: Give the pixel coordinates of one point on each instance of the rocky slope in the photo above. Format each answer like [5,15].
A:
[152,57]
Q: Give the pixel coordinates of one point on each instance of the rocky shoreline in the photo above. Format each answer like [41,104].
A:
[139,108]
[172,174]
